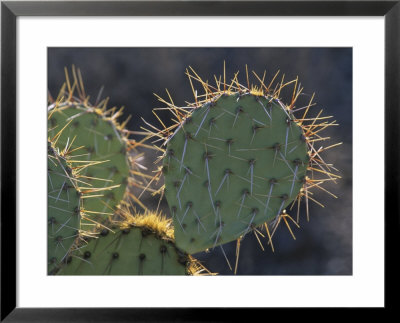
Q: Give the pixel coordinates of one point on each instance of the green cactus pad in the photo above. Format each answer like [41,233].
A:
[129,251]
[234,163]
[101,141]
[64,205]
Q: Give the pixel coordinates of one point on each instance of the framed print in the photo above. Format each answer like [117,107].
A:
[202,157]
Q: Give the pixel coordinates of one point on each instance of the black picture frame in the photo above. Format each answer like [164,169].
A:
[11,10]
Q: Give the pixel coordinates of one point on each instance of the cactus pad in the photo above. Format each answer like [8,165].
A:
[134,248]
[234,163]
[237,159]
[64,207]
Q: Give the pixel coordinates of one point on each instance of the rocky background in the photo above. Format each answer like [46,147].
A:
[130,76]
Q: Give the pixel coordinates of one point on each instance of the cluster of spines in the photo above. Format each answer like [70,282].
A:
[162,228]
[311,127]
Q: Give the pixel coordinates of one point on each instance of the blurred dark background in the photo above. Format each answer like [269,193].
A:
[130,76]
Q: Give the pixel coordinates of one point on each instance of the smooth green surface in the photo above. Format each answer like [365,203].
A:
[63,209]
[101,142]
[132,251]
[236,134]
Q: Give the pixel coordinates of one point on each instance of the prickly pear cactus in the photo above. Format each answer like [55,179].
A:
[238,158]
[236,162]
[138,246]
[64,208]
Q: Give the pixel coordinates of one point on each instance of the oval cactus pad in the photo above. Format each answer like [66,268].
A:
[234,163]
